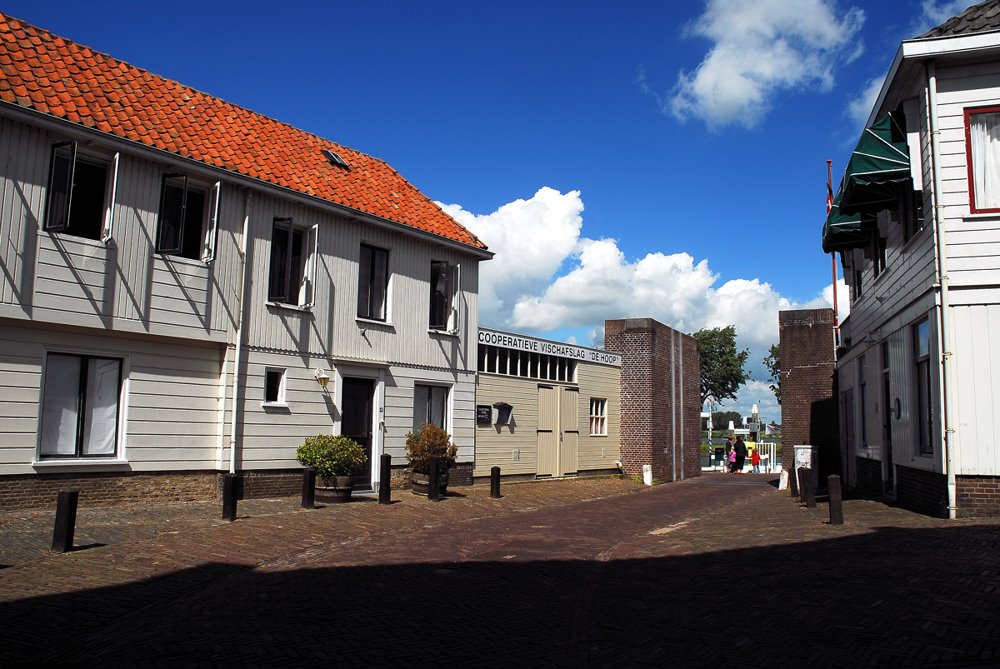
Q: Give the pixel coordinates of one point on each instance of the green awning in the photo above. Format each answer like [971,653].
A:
[842,232]
[879,166]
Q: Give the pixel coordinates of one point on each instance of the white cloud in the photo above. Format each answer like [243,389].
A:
[861,105]
[760,49]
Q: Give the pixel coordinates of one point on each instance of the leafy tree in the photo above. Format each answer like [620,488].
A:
[722,370]
[773,364]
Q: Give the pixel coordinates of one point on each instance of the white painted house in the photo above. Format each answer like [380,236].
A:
[917,228]
[181,276]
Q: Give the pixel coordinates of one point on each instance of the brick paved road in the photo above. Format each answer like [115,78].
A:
[716,571]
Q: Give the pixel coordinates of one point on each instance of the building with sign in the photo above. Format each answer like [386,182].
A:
[544,408]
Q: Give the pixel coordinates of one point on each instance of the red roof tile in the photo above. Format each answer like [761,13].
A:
[52,75]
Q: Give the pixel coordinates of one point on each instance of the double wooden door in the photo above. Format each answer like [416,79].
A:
[558,430]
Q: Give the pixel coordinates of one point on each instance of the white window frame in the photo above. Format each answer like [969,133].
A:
[983,170]
[447,406]
[453,284]
[598,417]
[76,156]
[387,301]
[282,399]
[208,226]
[306,294]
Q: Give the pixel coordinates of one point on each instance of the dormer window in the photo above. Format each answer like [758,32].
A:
[335,159]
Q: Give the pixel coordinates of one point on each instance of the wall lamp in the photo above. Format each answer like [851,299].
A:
[322,378]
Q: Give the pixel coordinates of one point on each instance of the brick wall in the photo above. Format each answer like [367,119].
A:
[660,398]
[109,488]
[869,477]
[809,412]
[922,491]
[978,496]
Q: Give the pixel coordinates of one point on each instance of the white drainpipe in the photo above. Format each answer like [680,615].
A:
[239,331]
[941,295]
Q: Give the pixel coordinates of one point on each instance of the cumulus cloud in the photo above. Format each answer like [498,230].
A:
[861,105]
[760,49]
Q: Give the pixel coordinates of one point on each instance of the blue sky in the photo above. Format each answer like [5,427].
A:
[660,159]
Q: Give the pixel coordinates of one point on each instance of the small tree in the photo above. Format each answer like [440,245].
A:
[331,455]
[773,364]
[722,370]
[427,442]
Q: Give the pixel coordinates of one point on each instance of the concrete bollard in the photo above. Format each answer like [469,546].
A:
[433,488]
[384,479]
[495,482]
[309,488]
[65,525]
[836,500]
[230,489]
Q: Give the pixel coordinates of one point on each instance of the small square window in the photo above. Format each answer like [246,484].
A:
[274,386]
[598,417]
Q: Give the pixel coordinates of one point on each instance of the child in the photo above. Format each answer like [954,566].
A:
[732,460]
[755,461]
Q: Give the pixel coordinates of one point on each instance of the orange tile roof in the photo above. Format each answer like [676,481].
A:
[55,76]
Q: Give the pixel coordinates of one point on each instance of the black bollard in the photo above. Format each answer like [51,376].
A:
[810,489]
[230,489]
[801,475]
[309,488]
[793,482]
[62,533]
[435,476]
[495,482]
[384,478]
[836,500]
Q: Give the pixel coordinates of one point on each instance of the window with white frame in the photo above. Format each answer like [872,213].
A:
[293,251]
[430,405]
[373,282]
[598,417]
[863,399]
[188,214]
[879,254]
[982,147]
[77,195]
[81,398]
[922,368]
[274,386]
[444,296]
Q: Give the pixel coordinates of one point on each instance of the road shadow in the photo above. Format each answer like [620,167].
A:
[888,598]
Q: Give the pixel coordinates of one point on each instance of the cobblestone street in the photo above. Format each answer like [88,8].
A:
[715,571]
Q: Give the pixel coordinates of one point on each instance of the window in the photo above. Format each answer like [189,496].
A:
[911,213]
[444,288]
[80,406]
[982,148]
[499,360]
[187,218]
[292,249]
[429,405]
[857,284]
[76,194]
[598,417]
[373,281]
[922,363]
[879,255]
[863,391]
[274,386]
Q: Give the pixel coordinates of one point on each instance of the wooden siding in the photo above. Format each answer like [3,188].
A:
[514,448]
[171,401]
[975,400]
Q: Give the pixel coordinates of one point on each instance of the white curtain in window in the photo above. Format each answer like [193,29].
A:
[60,405]
[101,412]
[984,133]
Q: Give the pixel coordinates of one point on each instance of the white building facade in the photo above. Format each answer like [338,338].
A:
[190,289]
[917,227]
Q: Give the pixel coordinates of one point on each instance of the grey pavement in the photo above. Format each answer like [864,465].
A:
[715,571]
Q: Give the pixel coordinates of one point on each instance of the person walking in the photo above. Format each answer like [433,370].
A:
[755,461]
[740,449]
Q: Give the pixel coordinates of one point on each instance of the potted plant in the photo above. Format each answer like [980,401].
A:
[335,458]
[427,442]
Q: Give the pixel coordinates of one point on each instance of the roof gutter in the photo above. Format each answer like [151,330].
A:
[61,125]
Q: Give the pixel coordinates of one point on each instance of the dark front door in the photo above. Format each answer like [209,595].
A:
[357,424]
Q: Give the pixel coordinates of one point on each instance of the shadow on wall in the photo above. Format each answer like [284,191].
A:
[837,602]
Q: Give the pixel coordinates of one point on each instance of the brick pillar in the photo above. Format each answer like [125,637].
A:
[660,398]
[809,410]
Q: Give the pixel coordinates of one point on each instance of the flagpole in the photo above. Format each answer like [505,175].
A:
[833,255]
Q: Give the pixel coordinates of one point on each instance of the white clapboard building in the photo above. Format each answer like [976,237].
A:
[916,224]
[189,288]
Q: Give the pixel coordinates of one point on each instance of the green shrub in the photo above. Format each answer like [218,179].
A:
[429,441]
[331,455]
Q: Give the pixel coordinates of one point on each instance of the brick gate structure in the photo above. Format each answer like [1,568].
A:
[660,398]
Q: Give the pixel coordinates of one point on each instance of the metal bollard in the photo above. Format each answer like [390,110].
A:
[793,482]
[495,482]
[801,475]
[435,477]
[309,488]
[230,488]
[384,478]
[62,533]
[810,489]
[836,500]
